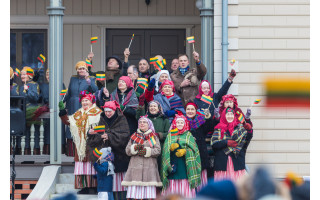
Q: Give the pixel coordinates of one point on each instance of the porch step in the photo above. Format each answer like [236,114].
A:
[67,178]
[65,188]
[79,196]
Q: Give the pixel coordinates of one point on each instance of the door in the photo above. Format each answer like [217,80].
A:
[146,43]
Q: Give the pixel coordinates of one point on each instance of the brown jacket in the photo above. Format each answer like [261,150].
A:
[143,170]
[195,75]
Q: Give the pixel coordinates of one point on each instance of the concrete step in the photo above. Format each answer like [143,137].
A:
[64,188]
[79,196]
[66,178]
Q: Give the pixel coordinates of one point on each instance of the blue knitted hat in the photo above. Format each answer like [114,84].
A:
[220,190]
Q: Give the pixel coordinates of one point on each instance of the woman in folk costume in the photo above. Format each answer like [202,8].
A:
[31,91]
[229,142]
[142,176]
[170,102]
[200,126]
[79,123]
[181,163]
[80,82]
[126,98]
[116,134]
[231,101]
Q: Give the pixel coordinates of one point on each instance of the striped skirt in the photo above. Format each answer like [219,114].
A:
[84,168]
[83,181]
[204,180]
[117,179]
[181,187]
[141,192]
[230,173]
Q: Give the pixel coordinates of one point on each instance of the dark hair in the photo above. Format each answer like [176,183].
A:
[183,55]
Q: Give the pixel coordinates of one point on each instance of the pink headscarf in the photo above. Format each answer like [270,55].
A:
[167,82]
[111,104]
[127,80]
[186,126]
[200,90]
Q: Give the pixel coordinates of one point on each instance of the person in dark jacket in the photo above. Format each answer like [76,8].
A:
[200,126]
[105,170]
[206,89]
[116,135]
[30,90]
[229,142]
[126,98]
[80,82]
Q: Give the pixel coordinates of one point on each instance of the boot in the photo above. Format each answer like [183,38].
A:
[63,149]
[27,151]
[36,151]
[83,191]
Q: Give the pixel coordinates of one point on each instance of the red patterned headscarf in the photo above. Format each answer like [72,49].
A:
[186,126]
[167,82]
[224,125]
[87,95]
[200,90]
[228,97]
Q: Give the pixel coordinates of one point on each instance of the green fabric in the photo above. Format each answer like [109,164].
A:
[181,171]
[161,125]
[112,85]
[61,105]
[193,162]
[29,115]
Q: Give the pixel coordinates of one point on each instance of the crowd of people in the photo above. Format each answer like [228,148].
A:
[169,138]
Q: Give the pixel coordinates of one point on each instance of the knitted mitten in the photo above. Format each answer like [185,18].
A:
[174,146]
[142,152]
[181,152]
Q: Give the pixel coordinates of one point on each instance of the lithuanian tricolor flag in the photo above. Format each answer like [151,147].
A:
[164,62]
[88,63]
[241,118]
[257,101]
[63,92]
[152,141]
[30,72]
[206,99]
[99,129]
[158,65]
[94,40]
[154,59]
[100,77]
[142,81]
[173,131]
[17,72]
[41,58]
[287,92]
[97,153]
[190,39]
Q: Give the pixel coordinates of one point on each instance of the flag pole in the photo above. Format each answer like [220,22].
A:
[91,47]
[193,47]
[130,41]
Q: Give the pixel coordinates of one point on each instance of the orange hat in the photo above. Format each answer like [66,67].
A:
[81,64]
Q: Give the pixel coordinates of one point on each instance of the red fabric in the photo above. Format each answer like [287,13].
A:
[149,95]
[226,98]
[167,82]
[224,125]
[200,91]
[127,80]
[111,104]
[174,124]
[168,97]
[191,103]
[85,95]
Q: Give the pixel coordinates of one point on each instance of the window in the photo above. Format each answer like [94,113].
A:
[25,47]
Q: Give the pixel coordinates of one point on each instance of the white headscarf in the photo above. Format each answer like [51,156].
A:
[157,77]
